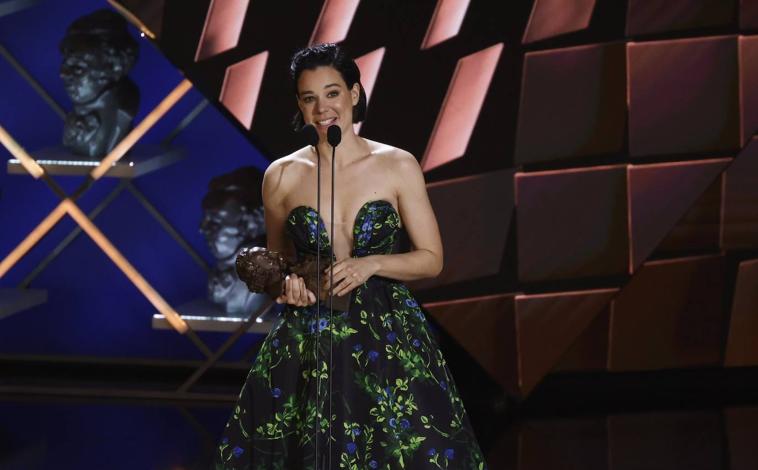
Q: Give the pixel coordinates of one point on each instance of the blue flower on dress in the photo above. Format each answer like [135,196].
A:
[358,347]
[322,323]
[366,225]
[276,392]
[432,452]
[411,303]
[351,447]
[356,431]
[393,422]
[237,451]
[373,464]
[443,385]
[449,454]
[405,424]
[373,355]
[416,342]
[391,336]
[420,315]
[379,399]
[275,342]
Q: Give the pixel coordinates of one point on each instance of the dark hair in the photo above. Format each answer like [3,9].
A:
[330,55]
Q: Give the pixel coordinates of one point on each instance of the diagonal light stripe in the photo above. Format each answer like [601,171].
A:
[32,239]
[222,28]
[446,22]
[242,83]
[147,290]
[17,151]
[334,21]
[369,65]
[461,107]
[141,129]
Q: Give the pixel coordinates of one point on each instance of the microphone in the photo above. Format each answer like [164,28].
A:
[310,134]
[334,135]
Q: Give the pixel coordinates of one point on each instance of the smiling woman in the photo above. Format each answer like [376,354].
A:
[366,387]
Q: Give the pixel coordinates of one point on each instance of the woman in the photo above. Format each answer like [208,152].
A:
[391,402]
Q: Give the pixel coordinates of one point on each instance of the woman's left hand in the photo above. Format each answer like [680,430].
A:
[350,273]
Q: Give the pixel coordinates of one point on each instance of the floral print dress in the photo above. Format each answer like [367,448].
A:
[391,401]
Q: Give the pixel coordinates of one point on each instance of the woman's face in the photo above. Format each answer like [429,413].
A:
[325,100]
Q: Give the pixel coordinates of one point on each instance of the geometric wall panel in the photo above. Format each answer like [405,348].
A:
[572,223]
[573,103]
[662,16]
[485,328]
[691,440]
[223,24]
[242,83]
[698,78]
[741,428]
[460,109]
[660,194]
[742,344]
[552,18]
[548,324]
[446,22]
[473,241]
[748,51]
[740,218]
[669,315]
[334,21]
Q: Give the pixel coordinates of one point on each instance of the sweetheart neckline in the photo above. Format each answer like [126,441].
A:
[355,220]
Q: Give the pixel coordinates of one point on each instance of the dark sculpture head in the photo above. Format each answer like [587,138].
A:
[98,51]
[233,212]
[328,55]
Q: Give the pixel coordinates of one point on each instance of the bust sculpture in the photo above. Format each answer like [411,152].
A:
[232,220]
[98,53]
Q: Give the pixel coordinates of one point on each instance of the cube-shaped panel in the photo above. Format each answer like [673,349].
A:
[572,223]
[573,103]
[670,315]
[683,96]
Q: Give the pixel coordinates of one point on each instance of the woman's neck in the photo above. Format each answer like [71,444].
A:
[350,148]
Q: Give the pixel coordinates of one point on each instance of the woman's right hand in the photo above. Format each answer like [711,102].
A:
[295,293]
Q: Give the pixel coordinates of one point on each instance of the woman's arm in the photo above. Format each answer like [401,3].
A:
[275,216]
[426,258]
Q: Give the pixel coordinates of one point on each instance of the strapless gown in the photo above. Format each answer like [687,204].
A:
[394,404]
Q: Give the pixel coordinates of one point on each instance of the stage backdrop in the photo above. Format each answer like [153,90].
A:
[591,165]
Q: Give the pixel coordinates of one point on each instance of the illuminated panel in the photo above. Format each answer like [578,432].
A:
[17,151]
[221,31]
[334,21]
[242,83]
[446,22]
[552,18]
[147,290]
[460,109]
[32,239]
[141,129]
[369,65]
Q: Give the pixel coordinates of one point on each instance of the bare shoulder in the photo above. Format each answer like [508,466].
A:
[395,159]
[283,172]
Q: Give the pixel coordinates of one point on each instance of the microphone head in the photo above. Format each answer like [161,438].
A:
[334,135]
[310,134]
